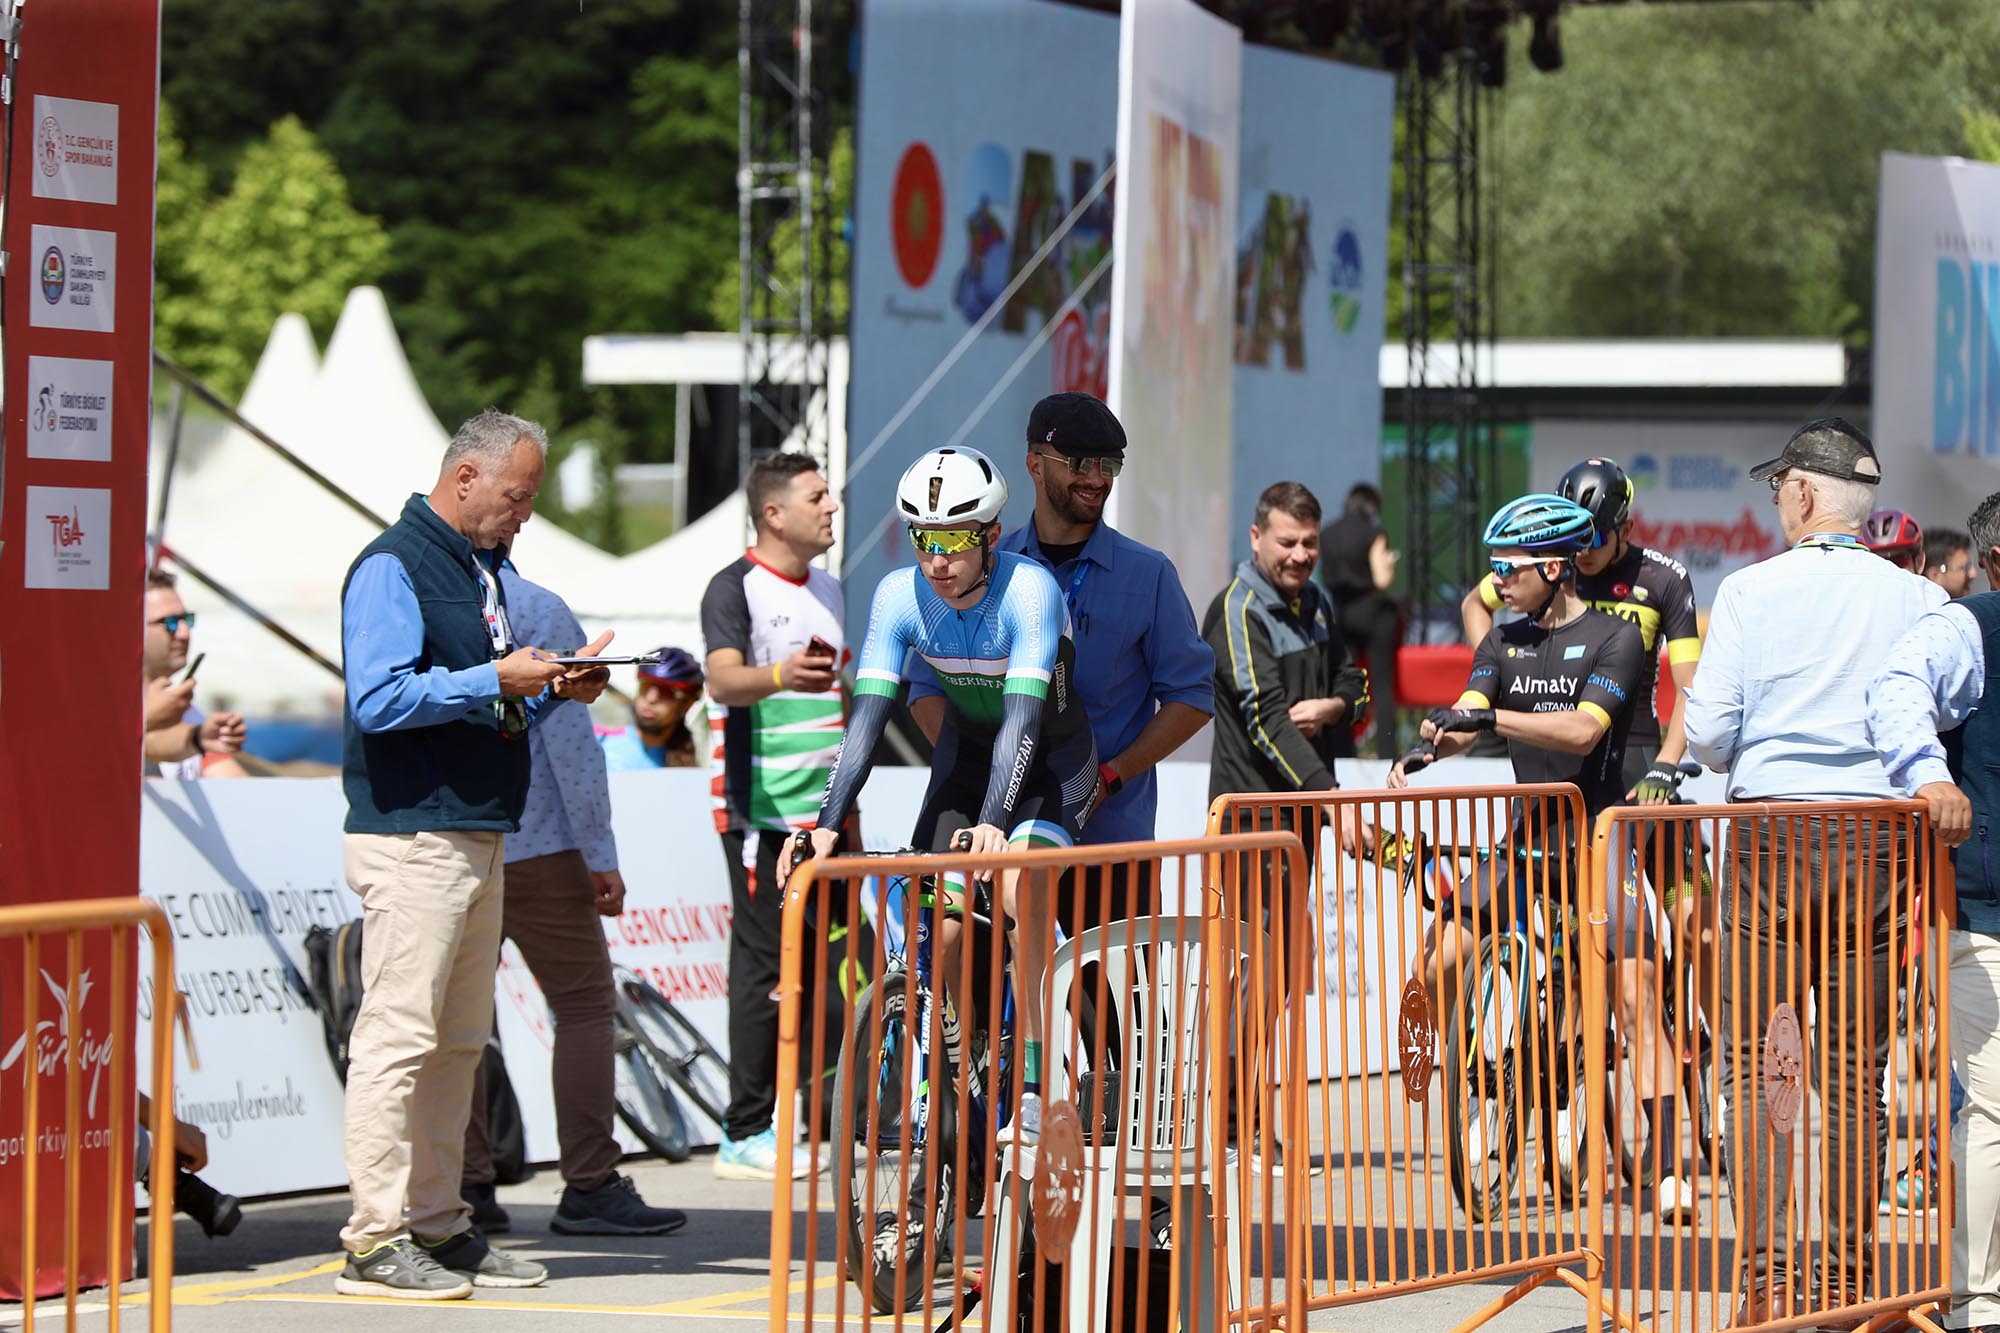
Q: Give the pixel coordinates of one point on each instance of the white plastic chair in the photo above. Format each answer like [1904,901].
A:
[1158,997]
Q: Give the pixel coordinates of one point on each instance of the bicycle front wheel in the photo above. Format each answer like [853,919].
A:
[695,1067]
[1482,1066]
[889,1138]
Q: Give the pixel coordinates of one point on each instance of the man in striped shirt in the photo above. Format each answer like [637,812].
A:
[772,625]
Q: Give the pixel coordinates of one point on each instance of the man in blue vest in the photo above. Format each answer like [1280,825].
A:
[435,764]
[1928,717]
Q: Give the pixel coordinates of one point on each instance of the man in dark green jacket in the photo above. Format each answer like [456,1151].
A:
[1284,683]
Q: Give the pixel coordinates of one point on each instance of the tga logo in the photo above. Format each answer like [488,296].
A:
[48,145]
[44,416]
[54,274]
[65,530]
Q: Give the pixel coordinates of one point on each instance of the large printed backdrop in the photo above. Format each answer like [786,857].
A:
[1937,335]
[982,125]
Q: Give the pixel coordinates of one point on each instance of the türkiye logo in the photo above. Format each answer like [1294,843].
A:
[1644,472]
[48,145]
[916,215]
[53,274]
[1344,276]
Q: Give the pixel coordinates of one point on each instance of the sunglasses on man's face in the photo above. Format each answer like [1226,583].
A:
[946,541]
[175,624]
[1506,567]
[1084,467]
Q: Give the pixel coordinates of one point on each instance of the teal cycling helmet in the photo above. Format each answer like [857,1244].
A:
[1542,525]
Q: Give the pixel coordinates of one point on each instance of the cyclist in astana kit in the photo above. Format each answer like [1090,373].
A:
[1561,686]
[1014,764]
[1654,592]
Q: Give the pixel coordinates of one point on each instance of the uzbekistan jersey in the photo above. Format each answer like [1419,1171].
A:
[772,759]
[1652,591]
[1591,665]
[1004,667]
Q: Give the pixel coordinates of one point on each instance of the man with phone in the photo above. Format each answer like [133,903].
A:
[180,741]
[772,623]
[436,765]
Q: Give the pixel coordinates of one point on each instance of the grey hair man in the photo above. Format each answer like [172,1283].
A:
[440,696]
[1778,704]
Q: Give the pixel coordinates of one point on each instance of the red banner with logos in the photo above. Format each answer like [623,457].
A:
[77,349]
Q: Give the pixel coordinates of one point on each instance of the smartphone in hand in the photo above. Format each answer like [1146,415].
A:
[193,667]
[819,647]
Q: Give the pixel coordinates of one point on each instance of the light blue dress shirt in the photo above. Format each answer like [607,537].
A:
[382,638]
[1934,680]
[1137,647]
[569,799]
[1779,699]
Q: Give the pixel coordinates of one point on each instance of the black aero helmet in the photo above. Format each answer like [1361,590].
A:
[1601,486]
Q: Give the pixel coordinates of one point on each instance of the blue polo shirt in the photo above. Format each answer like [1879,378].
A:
[1137,647]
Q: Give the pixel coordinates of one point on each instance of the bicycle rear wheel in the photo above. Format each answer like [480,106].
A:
[1482,1064]
[886,1147]
[644,1100]
[694,1066]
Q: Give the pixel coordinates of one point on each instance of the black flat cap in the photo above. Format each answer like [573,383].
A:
[1830,446]
[1077,424]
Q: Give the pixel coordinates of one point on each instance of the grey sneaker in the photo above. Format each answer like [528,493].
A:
[403,1270]
[468,1255]
[613,1209]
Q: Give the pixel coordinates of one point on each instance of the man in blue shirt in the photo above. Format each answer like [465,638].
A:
[1940,742]
[435,765]
[562,881]
[1142,668]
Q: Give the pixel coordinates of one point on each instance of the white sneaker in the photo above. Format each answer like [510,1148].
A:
[1477,1149]
[1025,1127]
[1675,1200]
[1565,1144]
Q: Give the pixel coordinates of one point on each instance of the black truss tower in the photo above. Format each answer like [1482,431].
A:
[1448,326]
[784,231]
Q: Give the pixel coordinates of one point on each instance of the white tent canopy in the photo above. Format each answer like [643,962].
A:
[258,526]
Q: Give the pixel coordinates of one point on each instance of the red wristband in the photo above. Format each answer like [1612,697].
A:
[1112,782]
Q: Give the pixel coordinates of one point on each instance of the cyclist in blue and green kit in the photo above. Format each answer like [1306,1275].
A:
[1015,764]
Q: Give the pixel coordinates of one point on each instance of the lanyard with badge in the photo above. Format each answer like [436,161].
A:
[1830,541]
[1076,586]
[509,712]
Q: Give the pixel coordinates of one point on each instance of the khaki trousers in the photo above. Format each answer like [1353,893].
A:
[430,941]
[551,915]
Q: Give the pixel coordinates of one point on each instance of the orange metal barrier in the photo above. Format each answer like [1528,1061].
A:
[34,925]
[1135,1207]
[1806,1053]
[1447,1005]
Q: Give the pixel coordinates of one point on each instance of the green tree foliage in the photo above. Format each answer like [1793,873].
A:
[284,237]
[1707,170]
[725,304]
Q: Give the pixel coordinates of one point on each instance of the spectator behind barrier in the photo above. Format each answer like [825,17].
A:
[440,697]
[1357,568]
[1779,706]
[181,742]
[1948,560]
[562,880]
[1927,715]
[658,736]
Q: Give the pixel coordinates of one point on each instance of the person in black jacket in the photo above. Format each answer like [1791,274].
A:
[1284,683]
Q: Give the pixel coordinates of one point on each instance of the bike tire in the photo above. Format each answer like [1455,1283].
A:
[870,1193]
[694,1066]
[1482,1063]
[644,1098]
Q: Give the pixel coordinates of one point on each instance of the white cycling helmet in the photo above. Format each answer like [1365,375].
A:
[948,486]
